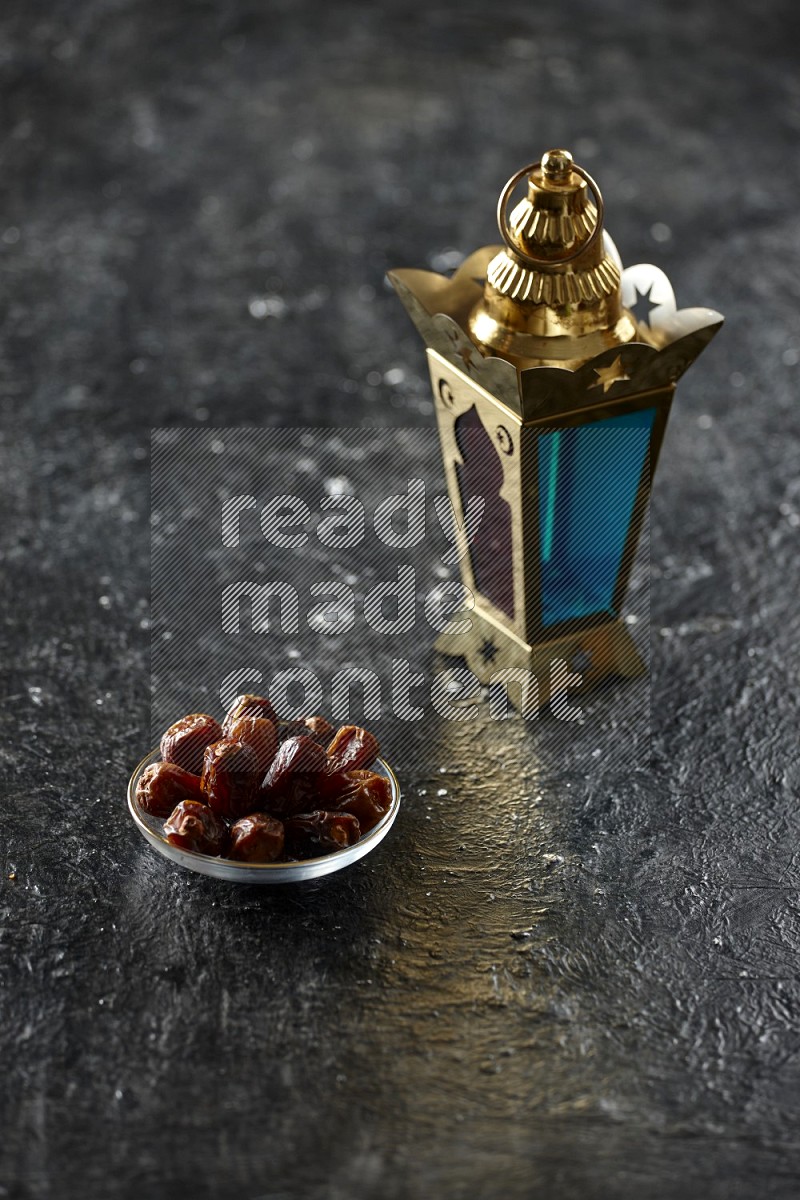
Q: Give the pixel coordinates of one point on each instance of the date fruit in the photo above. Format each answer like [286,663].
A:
[230,779]
[300,794]
[319,729]
[312,834]
[193,826]
[258,732]
[257,838]
[247,706]
[353,748]
[162,785]
[296,756]
[368,797]
[184,742]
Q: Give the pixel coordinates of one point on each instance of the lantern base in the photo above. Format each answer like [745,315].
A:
[578,661]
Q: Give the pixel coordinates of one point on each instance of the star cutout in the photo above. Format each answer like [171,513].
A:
[488,651]
[462,348]
[608,376]
[643,306]
[464,352]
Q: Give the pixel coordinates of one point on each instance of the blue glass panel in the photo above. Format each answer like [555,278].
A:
[588,479]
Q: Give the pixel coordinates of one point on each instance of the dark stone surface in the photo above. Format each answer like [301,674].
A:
[551,981]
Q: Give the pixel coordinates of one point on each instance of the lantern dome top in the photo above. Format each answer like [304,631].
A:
[552,293]
[556,223]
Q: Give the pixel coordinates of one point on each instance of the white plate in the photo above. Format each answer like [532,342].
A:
[152,829]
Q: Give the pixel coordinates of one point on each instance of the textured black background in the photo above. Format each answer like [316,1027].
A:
[550,982]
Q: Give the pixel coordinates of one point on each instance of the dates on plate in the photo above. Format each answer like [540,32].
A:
[263,789]
[184,742]
[193,826]
[230,779]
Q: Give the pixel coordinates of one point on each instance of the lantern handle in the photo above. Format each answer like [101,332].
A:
[529,259]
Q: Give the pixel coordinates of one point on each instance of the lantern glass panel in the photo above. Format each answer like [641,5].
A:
[589,477]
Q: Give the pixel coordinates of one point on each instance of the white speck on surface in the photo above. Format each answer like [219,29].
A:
[267,306]
[660,232]
[337,485]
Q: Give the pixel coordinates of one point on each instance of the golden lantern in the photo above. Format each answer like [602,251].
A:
[553,372]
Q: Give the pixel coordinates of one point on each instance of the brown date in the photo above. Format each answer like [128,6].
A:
[299,794]
[331,787]
[258,732]
[193,826]
[257,838]
[162,785]
[368,797]
[319,729]
[185,741]
[352,749]
[230,779]
[311,834]
[296,756]
[247,706]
